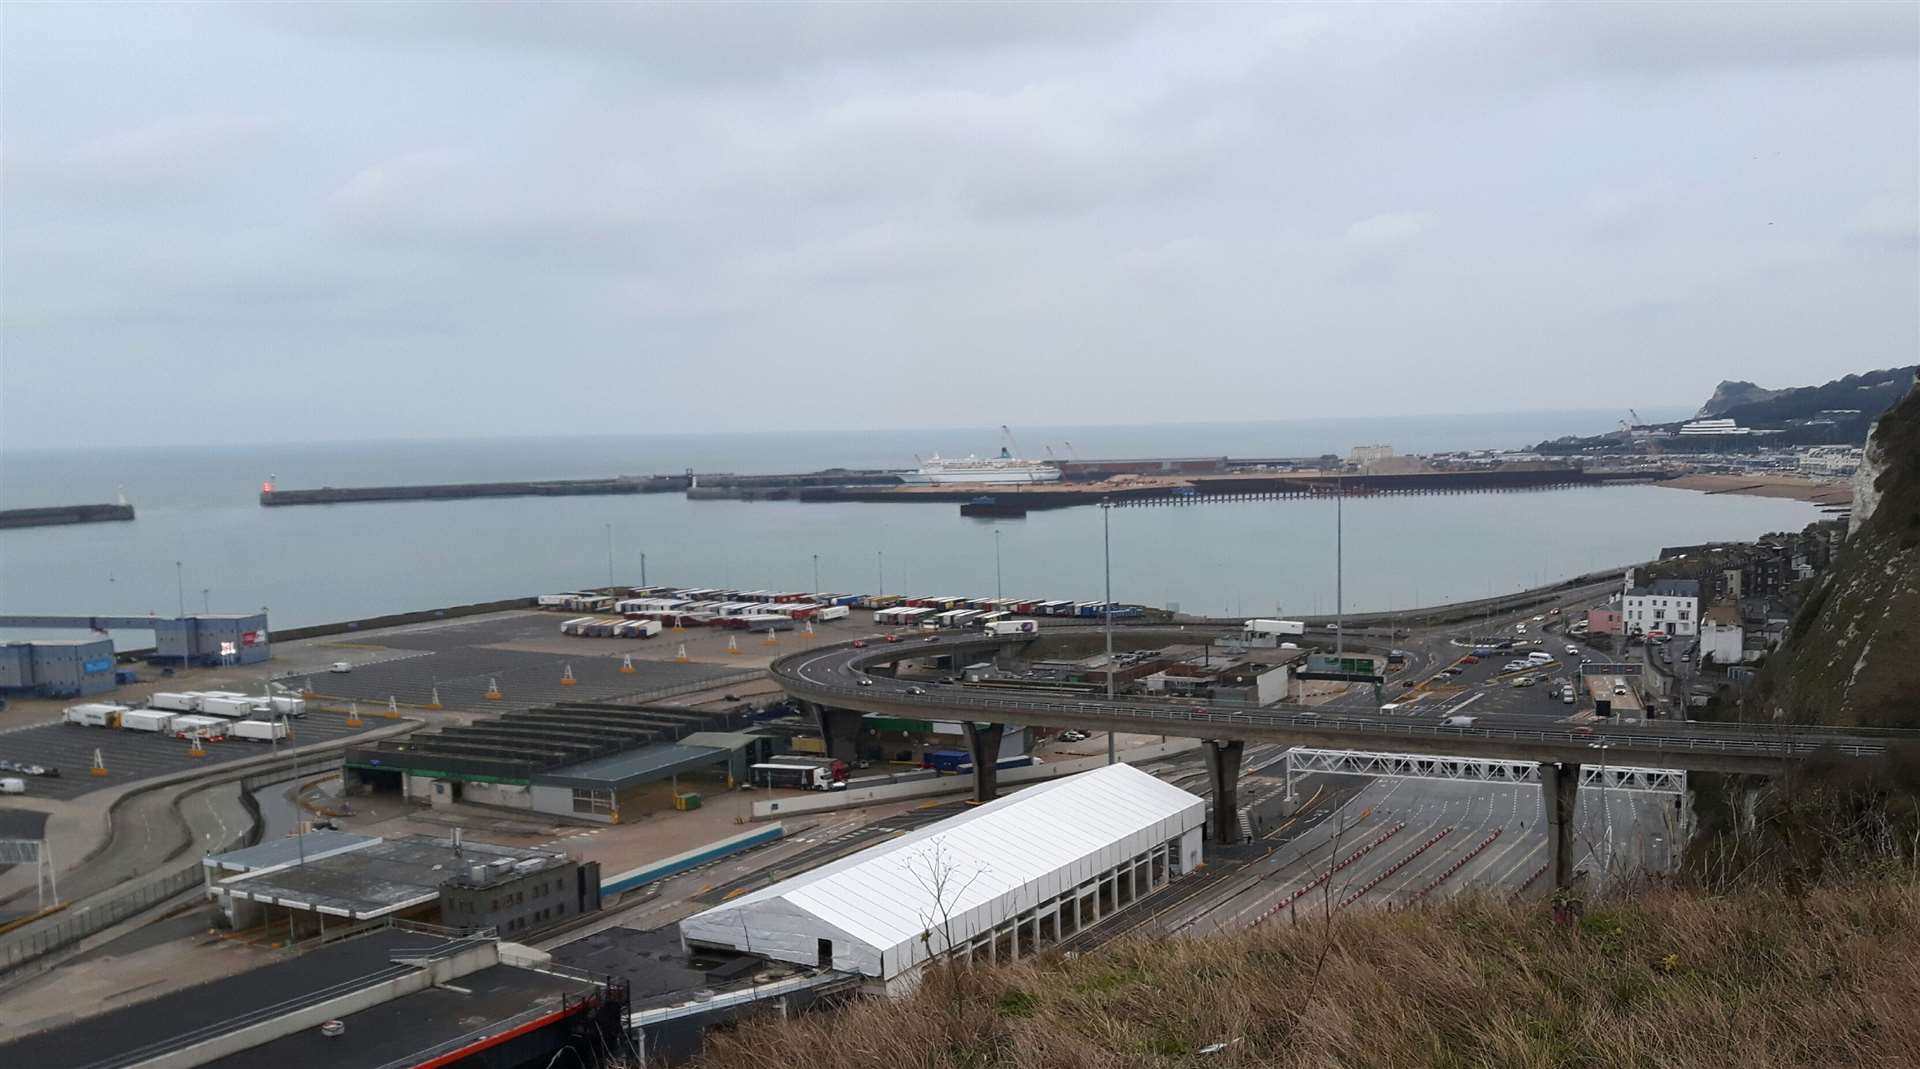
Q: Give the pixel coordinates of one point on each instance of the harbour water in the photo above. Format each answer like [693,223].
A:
[324,563]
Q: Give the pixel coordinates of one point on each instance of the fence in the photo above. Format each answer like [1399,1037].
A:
[81,921]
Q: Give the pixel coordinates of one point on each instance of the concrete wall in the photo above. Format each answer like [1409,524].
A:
[505,795]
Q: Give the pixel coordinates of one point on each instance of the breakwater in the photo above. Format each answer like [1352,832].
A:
[1016,500]
[619,484]
[62,515]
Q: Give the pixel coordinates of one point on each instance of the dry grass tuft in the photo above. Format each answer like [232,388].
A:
[1757,980]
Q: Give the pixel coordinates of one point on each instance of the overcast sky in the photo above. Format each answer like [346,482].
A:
[279,222]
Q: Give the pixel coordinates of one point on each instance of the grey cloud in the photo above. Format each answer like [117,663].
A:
[504,201]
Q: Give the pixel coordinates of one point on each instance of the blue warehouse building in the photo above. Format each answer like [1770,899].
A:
[57,668]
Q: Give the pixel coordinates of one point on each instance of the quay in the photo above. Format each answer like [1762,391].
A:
[619,484]
[1196,489]
[63,515]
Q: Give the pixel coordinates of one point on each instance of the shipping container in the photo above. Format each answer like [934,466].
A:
[230,708]
[285,705]
[833,612]
[257,730]
[147,720]
[946,760]
[95,714]
[211,728]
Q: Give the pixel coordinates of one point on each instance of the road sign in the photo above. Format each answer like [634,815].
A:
[1615,668]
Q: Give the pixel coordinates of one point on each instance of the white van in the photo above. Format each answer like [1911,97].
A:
[10,785]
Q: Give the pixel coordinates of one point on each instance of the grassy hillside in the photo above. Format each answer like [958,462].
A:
[1666,980]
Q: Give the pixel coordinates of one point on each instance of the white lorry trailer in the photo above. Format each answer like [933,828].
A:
[95,714]
[257,730]
[237,708]
[1016,626]
[156,720]
[205,727]
[175,701]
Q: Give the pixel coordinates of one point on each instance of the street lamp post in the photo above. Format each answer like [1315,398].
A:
[609,556]
[643,569]
[880,571]
[1106,553]
[180,583]
[997,593]
[816,573]
[1339,568]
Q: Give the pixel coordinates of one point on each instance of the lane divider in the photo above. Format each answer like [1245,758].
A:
[1451,869]
[1301,891]
[1537,873]
[1393,868]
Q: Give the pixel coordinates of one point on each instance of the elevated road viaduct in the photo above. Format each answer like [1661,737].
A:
[837,684]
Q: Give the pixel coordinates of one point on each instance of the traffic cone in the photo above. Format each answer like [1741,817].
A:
[393,709]
[353,716]
[626,665]
[772,639]
[99,764]
[435,703]
[194,749]
[733,646]
[493,689]
[566,677]
[681,657]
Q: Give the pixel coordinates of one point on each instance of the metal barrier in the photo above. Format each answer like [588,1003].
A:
[82,920]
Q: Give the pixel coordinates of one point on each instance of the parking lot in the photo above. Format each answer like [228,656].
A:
[138,755]
[521,653]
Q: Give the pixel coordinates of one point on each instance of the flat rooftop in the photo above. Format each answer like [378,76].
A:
[375,880]
[633,767]
[135,1033]
[423,1025]
[288,851]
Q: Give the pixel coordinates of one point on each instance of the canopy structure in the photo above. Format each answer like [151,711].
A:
[1102,837]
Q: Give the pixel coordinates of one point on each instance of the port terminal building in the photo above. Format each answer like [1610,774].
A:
[995,883]
[76,667]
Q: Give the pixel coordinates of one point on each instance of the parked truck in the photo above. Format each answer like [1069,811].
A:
[282,705]
[1016,626]
[946,760]
[155,720]
[95,714]
[1271,630]
[175,701]
[235,708]
[189,726]
[804,773]
[257,730]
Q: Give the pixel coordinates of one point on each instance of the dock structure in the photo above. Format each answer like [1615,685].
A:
[63,515]
[619,484]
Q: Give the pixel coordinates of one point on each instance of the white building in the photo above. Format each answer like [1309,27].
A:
[995,882]
[1669,605]
[1724,642]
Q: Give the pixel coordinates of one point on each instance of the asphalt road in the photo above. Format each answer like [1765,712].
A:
[837,675]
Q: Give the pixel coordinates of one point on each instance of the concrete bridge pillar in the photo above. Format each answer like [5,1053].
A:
[983,745]
[839,730]
[1223,775]
[1560,782]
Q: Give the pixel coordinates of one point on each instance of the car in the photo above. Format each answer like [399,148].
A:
[340,668]
[1469,659]
[1539,619]
[1686,655]
[916,690]
[1566,697]
[1199,710]
[1619,688]
[893,638]
[866,681]
[1553,611]
[931,638]
[859,643]
[1519,629]
[1582,729]
[1573,649]
[1523,681]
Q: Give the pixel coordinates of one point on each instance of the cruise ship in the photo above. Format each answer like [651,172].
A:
[1001,470]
